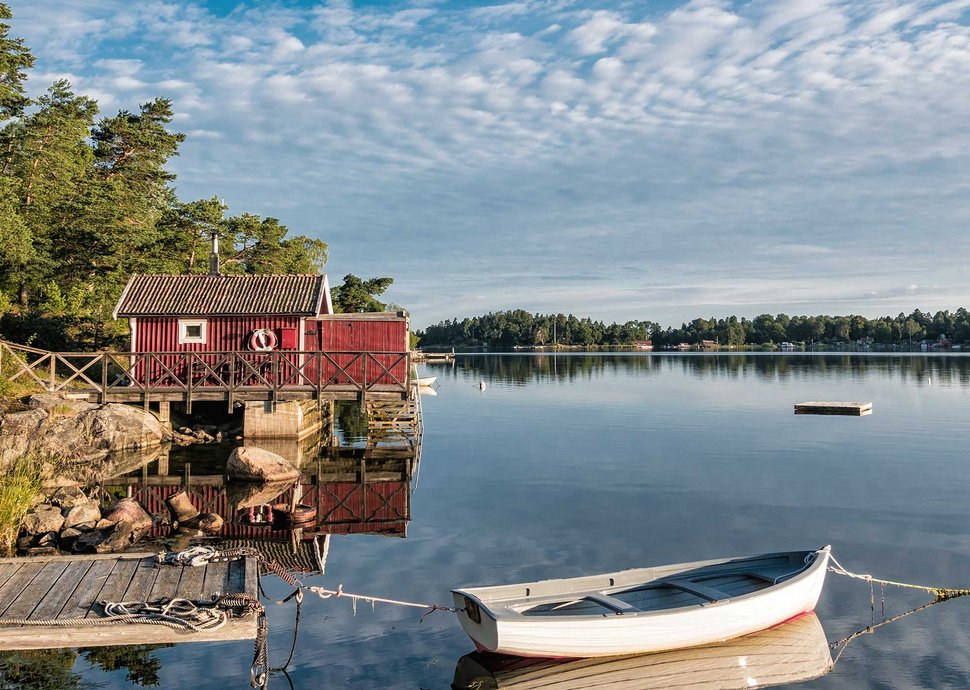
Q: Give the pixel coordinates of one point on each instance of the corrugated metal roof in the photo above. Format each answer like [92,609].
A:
[223,295]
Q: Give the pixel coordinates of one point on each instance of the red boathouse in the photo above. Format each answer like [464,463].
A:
[221,313]
[255,316]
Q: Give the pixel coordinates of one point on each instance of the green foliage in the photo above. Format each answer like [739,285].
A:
[84,204]
[21,483]
[520,328]
[356,295]
[14,60]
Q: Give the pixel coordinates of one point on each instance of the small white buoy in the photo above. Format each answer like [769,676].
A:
[481,385]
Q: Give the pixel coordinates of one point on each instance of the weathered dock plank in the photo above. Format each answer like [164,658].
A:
[856,409]
[72,588]
[52,604]
[17,583]
[35,592]
[86,592]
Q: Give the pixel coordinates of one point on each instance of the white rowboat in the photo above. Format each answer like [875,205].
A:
[644,609]
[425,382]
[793,652]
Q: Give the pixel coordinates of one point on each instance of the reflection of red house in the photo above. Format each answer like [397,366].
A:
[342,508]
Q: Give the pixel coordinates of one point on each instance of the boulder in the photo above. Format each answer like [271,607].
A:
[69,496]
[73,430]
[257,465]
[181,507]
[116,427]
[45,518]
[83,513]
[71,533]
[250,495]
[119,536]
[210,523]
[19,432]
[129,510]
[58,404]
[47,539]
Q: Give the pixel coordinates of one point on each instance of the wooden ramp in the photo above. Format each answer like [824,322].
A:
[852,409]
[73,587]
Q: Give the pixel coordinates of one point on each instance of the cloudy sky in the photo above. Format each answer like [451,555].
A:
[652,160]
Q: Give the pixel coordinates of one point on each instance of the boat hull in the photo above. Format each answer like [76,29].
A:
[643,631]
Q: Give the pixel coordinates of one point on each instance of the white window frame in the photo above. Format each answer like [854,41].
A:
[185,339]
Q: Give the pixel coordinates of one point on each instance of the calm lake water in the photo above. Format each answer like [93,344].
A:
[579,463]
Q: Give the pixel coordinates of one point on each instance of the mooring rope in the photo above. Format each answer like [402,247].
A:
[939,592]
[324,593]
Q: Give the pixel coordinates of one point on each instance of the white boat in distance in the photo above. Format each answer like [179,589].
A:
[644,609]
[793,652]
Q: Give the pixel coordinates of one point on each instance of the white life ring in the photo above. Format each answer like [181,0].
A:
[262,340]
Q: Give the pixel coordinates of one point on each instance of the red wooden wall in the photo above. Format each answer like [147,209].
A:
[352,333]
[347,334]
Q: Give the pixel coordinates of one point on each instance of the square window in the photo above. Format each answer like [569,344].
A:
[191,331]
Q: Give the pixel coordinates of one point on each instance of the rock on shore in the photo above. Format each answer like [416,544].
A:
[74,430]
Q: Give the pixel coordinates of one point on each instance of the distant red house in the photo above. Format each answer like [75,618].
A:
[643,344]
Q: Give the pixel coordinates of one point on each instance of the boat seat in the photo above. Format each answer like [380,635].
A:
[766,576]
[611,603]
[697,589]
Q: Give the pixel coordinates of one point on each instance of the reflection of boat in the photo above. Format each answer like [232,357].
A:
[644,609]
[789,653]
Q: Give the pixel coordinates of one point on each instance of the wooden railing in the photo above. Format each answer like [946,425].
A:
[153,375]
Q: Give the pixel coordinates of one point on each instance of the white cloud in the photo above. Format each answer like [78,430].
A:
[681,143]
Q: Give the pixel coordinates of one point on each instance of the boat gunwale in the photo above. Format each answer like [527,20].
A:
[506,614]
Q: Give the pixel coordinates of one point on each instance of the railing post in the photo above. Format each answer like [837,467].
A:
[104,378]
[51,385]
[232,379]
[188,384]
[363,384]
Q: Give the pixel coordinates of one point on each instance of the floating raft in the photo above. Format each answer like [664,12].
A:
[853,409]
[73,587]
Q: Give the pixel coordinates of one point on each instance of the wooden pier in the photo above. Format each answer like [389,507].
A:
[231,377]
[852,409]
[71,588]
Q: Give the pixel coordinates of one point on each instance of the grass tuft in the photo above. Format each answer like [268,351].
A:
[18,490]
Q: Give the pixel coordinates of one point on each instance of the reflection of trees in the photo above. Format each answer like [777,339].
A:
[525,369]
[51,669]
[350,421]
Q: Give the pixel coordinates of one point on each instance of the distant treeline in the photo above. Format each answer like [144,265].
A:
[521,328]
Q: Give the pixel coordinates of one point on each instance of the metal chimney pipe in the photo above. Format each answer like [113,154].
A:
[214,256]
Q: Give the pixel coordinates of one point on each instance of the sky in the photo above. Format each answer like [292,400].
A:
[621,160]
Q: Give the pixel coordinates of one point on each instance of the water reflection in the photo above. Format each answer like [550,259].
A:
[573,367]
[790,653]
[54,669]
[349,490]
